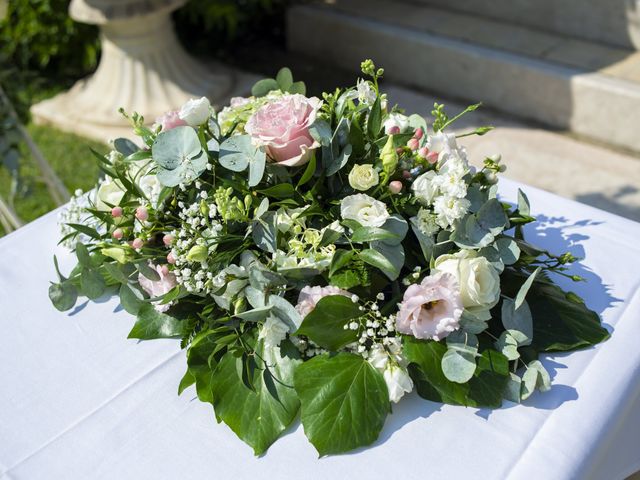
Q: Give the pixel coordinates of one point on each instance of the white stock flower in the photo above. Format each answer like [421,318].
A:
[366,93]
[442,142]
[478,280]
[427,222]
[363,177]
[395,376]
[425,188]
[109,194]
[450,209]
[273,331]
[451,181]
[367,211]
[195,112]
[396,120]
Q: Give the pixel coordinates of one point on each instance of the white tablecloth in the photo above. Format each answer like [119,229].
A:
[80,401]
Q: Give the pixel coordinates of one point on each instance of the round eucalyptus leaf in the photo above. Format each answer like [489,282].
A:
[458,366]
[173,147]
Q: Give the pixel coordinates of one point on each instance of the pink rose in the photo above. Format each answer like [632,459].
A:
[158,288]
[431,309]
[170,120]
[282,126]
[310,296]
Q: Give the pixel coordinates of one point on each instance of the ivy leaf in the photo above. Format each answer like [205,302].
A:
[344,402]
[325,324]
[256,416]
[152,324]
[131,299]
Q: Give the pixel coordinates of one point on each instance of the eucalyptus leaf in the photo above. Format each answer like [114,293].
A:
[518,319]
[508,250]
[264,86]
[524,289]
[236,152]
[523,204]
[320,131]
[284,78]
[92,284]
[265,232]
[257,164]
[131,299]
[63,295]
[535,377]
[286,312]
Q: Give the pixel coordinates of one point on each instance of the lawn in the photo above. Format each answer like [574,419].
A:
[70,157]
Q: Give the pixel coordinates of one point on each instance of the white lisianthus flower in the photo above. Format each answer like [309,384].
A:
[273,331]
[363,177]
[396,120]
[478,280]
[367,211]
[195,112]
[425,188]
[450,209]
[427,222]
[109,194]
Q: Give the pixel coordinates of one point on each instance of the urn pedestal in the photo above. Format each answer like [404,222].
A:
[143,68]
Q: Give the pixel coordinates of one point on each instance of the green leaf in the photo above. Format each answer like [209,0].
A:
[258,417]
[298,87]
[344,402]
[339,161]
[325,324]
[152,324]
[536,376]
[265,232]
[115,272]
[393,254]
[377,259]
[374,122]
[264,86]
[426,242]
[83,255]
[282,190]
[508,250]
[308,171]
[92,284]
[88,231]
[369,234]
[131,299]
[63,295]
[202,364]
[187,380]
[284,79]
[524,289]
[236,152]
[148,272]
[320,131]
[125,146]
[257,163]
[459,362]
[559,322]
[518,319]
[341,258]
[173,147]
[523,204]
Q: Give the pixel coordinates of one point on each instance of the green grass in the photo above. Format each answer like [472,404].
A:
[70,157]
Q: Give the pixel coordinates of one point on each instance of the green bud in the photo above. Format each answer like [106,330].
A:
[120,253]
[389,156]
[198,253]
[247,203]
[204,208]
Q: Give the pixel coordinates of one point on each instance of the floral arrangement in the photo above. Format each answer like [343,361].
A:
[322,258]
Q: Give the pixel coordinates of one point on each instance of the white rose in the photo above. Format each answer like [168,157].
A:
[367,211]
[424,187]
[396,120]
[195,112]
[109,194]
[151,187]
[478,279]
[363,177]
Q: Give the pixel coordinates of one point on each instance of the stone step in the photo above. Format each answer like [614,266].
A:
[613,22]
[571,84]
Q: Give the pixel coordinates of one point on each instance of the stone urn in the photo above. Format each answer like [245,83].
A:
[143,68]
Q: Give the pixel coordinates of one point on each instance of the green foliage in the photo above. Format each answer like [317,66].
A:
[153,324]
[344,402]
[325,325]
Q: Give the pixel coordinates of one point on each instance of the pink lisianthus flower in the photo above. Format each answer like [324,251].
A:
[170,120]
[282,127]
[432,308]
[310,296]
[157,288]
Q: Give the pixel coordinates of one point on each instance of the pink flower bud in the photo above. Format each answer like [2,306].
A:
[395,187]
[406,174]
[392,130]
[142,214]
[418,133]
[432,157]
[171,259]
[167,239]
[137,243]
[116,212]
[118,234]
[164,270]
[423,152]
[413,144]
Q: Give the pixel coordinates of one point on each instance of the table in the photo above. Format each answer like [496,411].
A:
[80,401]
